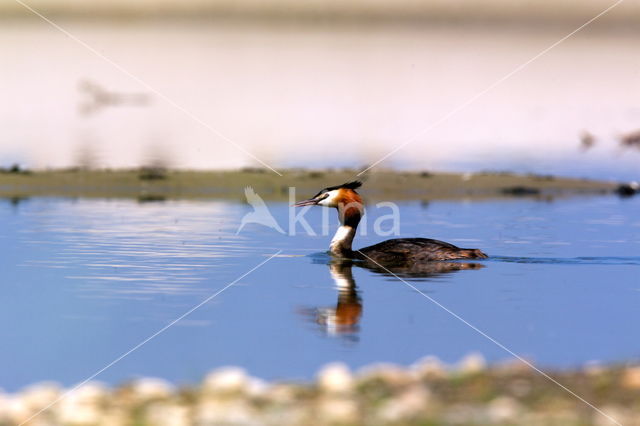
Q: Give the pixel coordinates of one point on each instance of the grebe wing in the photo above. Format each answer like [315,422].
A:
[405,245]
[416,249]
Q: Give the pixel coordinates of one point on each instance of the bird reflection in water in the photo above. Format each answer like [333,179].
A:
[343,320]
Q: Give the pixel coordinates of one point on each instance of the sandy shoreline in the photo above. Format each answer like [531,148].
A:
[158,185]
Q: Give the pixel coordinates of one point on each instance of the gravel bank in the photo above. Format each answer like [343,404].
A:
[428,392]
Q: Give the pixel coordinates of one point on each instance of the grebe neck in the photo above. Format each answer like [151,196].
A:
[350,216]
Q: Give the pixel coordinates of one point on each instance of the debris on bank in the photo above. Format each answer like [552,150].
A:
[628,189]
[428,392]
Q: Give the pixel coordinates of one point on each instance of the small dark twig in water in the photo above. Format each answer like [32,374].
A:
[151,198]
[520,191]
[628,189]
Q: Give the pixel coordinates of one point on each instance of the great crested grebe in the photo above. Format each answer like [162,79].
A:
[406,251]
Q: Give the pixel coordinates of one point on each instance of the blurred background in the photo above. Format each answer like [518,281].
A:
[322,84]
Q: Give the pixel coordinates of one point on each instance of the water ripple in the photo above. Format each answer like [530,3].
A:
[119,248]
[568,261]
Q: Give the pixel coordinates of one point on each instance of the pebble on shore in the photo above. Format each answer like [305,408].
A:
[335,378]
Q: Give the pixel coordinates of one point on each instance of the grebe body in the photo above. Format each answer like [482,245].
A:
[415,250]
[397,251]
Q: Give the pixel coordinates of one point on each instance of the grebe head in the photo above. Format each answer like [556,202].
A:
[334,196]
[350,209]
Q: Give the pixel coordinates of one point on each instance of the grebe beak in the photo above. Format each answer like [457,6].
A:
[309,202]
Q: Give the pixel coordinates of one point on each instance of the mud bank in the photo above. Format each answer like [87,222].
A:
[157,185]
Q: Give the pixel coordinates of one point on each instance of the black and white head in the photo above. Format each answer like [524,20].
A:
[334,196]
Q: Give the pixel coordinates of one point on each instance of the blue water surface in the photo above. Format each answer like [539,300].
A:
[84,281]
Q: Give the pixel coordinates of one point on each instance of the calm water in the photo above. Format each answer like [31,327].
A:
[83,281]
